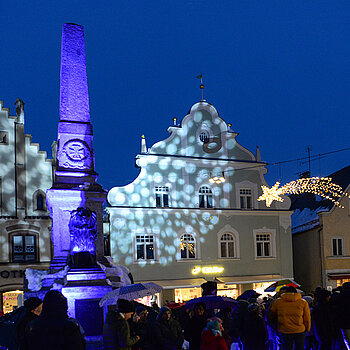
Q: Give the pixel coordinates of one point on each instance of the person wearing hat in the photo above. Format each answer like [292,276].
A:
[116,330]
[291,313]
[33,307]
[167,332]
[141,326]
[54,330]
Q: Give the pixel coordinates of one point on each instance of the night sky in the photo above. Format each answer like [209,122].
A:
[279,71]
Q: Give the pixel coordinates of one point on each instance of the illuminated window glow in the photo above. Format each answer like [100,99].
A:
[188,246]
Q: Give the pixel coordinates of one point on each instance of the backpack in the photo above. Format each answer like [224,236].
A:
[8,324]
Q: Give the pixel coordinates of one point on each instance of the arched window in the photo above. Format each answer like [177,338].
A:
[39,200]
[187,246]
[205,197]
[227,246]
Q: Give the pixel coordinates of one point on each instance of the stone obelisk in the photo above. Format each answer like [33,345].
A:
[75,183]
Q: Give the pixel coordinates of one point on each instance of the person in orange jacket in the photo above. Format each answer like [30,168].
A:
[291,314]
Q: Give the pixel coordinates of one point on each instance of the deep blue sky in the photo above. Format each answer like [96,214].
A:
[279,71]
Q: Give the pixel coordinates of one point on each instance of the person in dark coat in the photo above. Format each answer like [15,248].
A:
[140,326]
[116,330]
[322,316]
[195,326]
[254,335]
[33,307]
[167,332]
[53,329]
[343,311]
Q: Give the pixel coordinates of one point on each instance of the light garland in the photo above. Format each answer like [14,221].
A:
[323,187]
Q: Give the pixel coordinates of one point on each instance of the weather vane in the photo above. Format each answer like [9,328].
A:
[201,86]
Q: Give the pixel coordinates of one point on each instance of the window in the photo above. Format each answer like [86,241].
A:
[263,245]
[204,136]
[4,137]
[227,246]
[205,197]
[187,246]
[39,200]
[246,198]
[337,246]
[107,245]
[23,248]
[144,247]
[162,196]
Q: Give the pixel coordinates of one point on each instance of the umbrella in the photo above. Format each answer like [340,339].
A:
[130,292]
[250,293]
[212,302]
[275,287]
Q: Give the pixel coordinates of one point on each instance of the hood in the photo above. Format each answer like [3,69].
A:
[290,297]
[208,337]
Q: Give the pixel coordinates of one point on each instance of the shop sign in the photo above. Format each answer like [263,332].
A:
[207,270]
[11,274]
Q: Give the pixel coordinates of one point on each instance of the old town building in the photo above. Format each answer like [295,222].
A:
[192,214]
[25,224]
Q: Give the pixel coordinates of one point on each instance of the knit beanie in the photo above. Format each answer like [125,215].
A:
[32,303]
[214,326]
[125,306]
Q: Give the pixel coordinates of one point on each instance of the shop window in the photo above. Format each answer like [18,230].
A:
[246,198]
[205,197]
[145,247]
[187,246]
[24,248]
[337,246]
[162,196]
[227,246]
[11,300]
[263,245]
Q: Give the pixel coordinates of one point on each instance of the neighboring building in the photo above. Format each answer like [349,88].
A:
[321,237]
[25,225]
[171,225]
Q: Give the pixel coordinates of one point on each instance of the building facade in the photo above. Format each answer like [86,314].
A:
[177,227]
[321,238]
[25,224]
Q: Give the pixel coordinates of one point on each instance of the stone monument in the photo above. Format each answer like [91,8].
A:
[76,200]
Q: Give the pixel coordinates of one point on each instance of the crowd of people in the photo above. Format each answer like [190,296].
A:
[317,321]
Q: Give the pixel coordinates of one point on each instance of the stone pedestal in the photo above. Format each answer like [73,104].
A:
[83,291]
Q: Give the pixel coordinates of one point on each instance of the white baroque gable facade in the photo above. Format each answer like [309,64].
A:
[171,220]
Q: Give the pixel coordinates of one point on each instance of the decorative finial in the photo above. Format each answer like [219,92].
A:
[143,144]
[175,121]
[143,136]
[201,86]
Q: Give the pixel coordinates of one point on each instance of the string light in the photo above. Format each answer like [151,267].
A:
[217,179]
[323,187]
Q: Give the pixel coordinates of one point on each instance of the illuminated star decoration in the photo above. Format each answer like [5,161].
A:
[323,187]
[271,194]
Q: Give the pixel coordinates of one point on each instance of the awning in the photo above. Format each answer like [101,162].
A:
[183,283]
[339,276]
[250,279]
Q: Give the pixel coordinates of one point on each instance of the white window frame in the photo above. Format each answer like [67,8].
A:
[246,185]
[338,239]
[245,197]
[162,190]
[206,196]
[145,232]
[272,234]
[229,230]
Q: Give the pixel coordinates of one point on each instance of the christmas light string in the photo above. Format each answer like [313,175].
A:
[323,187]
